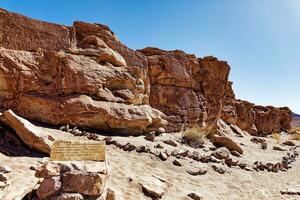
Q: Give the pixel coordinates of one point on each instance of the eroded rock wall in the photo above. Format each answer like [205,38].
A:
[187,89]
[84,76]
[257,120]
[80,75]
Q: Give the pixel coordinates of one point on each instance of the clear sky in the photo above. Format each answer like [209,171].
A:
[260,39]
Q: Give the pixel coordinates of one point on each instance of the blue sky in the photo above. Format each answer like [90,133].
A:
[260,39]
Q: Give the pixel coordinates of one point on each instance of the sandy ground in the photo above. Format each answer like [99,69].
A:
[22,178]
[129,168]
[235,184]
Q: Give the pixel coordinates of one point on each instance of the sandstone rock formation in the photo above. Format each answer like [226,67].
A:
[80,75]
[84,76]
[187,89]
[257,120]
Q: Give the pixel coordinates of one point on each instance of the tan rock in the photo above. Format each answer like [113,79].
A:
[153,187]
[29,133]
[222,141]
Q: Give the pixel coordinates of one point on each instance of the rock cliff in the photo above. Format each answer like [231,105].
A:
[84,76]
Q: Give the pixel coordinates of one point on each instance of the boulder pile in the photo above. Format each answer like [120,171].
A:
[72,180]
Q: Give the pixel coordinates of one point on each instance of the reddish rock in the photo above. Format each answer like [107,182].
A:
[187,89]
[111,90]
[49,187]
[83,182]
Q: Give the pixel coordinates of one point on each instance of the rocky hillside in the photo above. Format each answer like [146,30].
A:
[84,76]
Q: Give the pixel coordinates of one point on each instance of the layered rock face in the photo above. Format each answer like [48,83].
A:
[257,120]
[80,75]
[84,76]
[187,89]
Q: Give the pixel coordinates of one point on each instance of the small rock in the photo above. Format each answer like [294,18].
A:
[194,196]
[258,140]
[196,143]
[277,148]
[5,169]
[49,187]
[159,146]
[230,162]
[183,153]
[112,194]
[221,153]
[3,177]
[153,187]
[177,163]
[161,130]
[196,171]
[289,143]
[129,147]
[150,137]
[170,142]
[141,149]
[242,165]
[214,159]
[264,145]
[163,156]
[219,169]
[235,153]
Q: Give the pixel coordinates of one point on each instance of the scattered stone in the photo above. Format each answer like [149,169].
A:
[177,163]
[112,194]
[264,145]
[3,177]
[212,148]
[170,142]
[194,171]
[219,169]
[235,153]
[163,156]
[109,141]
[277,148]
[142,149]
[242,165]
[159,146]
[5,169]
[194,196]
[290,192]
[153,187]
[161,130]
[183,153]
[196,143]
[221,153]
[49,187]
[258,140]
[289,143]
[150,137]
[215,160]
[222,141]
[230,162]
[129,147]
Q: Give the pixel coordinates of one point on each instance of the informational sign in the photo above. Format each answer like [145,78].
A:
[77,150]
